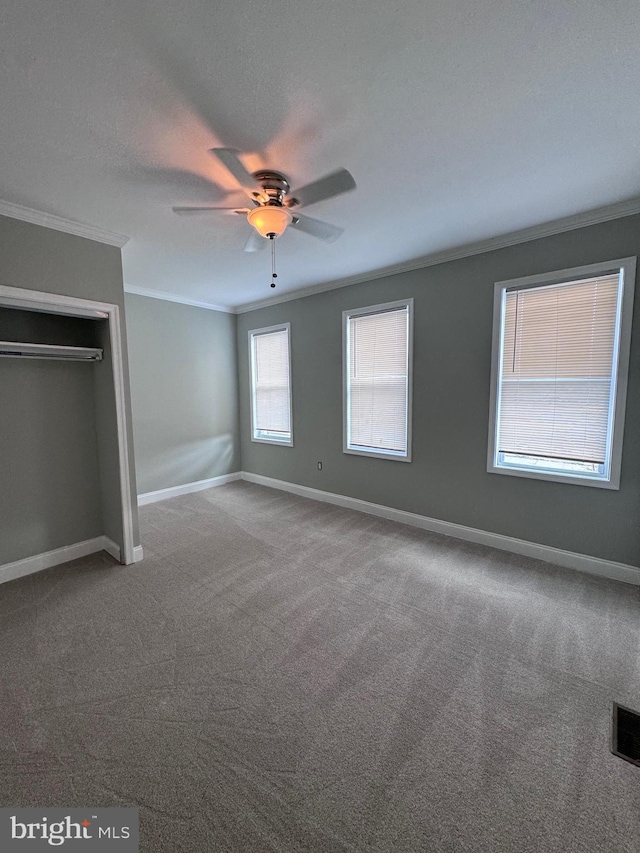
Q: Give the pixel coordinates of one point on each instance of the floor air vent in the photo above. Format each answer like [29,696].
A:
[625,739]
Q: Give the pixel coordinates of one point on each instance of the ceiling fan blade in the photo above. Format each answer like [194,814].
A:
[255,242]
[316,227]
[229,158]
[187,211]
[336,183]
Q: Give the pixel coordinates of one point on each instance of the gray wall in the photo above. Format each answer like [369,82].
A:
[37,258]
[185,395]
[452,359]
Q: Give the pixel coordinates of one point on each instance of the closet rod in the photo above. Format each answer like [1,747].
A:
[14,349]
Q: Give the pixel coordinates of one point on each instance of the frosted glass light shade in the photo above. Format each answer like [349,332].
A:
[269,220]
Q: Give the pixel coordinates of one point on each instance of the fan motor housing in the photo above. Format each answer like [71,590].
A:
[274,184]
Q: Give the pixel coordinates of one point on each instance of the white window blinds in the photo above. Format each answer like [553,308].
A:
[271,391]
[557,374]
[378,381]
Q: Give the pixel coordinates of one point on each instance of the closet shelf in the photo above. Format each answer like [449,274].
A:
[13,349]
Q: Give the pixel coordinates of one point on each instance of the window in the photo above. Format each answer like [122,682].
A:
[270,361]
[559,374]
[377,347]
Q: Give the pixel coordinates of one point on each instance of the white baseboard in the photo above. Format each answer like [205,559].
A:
[30,565]
[110,547]
[567,559]
[186,488]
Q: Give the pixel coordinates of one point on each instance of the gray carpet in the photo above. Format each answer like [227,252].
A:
[285,675]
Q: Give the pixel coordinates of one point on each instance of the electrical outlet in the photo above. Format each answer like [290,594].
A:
[319,466]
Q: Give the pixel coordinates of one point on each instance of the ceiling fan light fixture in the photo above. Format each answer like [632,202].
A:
[269,219]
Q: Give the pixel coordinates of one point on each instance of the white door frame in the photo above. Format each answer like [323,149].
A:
[54,303]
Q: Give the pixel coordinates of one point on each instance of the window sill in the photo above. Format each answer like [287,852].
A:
[279,441]
[378,454]
[549,476]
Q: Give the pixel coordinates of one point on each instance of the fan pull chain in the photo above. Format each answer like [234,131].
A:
[274,274]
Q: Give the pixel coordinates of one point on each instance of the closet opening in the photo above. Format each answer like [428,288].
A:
[64,455]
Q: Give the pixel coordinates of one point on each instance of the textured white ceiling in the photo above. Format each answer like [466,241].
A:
[459,119]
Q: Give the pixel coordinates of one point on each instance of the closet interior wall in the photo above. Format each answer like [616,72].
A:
[52,415]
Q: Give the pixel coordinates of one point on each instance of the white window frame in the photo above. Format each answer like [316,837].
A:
[279,327]
[359,312]
[626,267]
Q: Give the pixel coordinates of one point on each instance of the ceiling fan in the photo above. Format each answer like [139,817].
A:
[273,203]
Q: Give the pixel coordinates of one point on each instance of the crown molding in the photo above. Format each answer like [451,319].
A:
[535,232]
[172,297]
[57,223]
